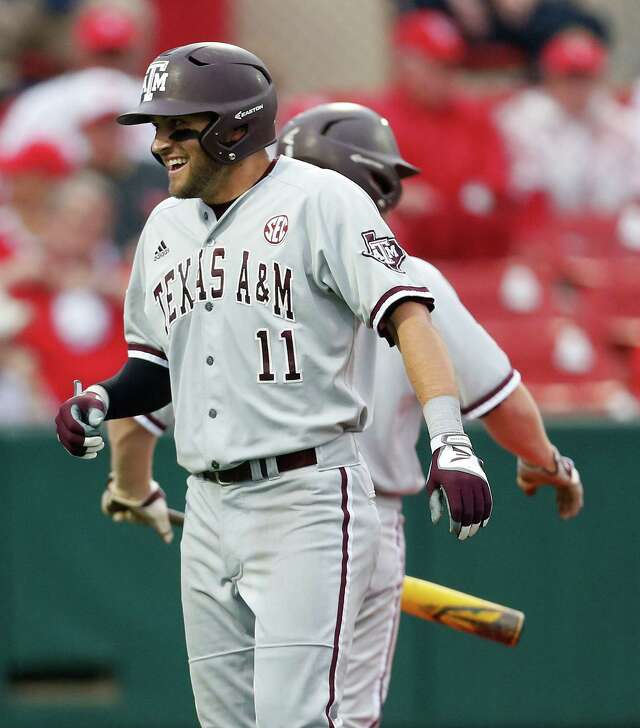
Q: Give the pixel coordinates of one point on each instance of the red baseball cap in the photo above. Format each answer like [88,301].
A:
[42,158]
[574,53]
[431,33]
[102,29]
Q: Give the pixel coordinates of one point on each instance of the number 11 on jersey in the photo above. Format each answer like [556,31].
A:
[266,373]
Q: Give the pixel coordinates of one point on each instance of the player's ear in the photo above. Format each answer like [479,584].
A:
[235,135]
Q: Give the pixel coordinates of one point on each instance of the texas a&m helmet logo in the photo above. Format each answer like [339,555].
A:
[155,79]
[276,228]
[385,250]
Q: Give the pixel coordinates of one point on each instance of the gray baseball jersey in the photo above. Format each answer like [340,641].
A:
[483,371]
[255,314]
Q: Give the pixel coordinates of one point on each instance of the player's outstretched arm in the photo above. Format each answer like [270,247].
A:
[139,387]
[456,478]
[131,494]
[516,425]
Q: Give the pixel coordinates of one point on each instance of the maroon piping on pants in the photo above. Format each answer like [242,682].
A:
[396,617]
[346,517]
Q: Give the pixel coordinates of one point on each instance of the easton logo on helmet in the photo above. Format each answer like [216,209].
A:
[242,114]
[154,79]
[385,250]
[276,228]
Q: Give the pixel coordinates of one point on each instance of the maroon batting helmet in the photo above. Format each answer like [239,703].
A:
[353,140]
[230,83]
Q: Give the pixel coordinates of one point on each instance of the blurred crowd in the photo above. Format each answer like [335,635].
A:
[528,199]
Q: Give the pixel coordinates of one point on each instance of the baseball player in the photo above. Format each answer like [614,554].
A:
[357,142]
[248,289]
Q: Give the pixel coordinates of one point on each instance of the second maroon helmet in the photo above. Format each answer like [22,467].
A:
[353,140]
[230,83]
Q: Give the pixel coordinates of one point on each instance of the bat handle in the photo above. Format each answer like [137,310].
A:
[176,518]
[77,387]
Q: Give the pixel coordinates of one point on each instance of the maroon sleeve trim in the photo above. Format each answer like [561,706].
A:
[489,395]
[147,350]
[155,421]
[392,292]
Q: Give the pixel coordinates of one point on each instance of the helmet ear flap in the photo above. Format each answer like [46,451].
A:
[212,143]
[385,188]
[382,181]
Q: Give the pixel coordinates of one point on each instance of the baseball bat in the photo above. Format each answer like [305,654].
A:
[176,518]
[461,611]
[452,608]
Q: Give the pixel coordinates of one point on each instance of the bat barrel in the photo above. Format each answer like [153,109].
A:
[461,611]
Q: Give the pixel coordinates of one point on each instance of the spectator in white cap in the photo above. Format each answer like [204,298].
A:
[108,40]
[569,139]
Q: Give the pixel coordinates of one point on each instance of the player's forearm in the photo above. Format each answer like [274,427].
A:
[132,450]
[517,426]
[425,356]
[138,388]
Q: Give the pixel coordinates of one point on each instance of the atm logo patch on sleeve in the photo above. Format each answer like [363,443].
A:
[385,250]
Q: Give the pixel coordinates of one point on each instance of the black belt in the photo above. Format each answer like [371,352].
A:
[290,461]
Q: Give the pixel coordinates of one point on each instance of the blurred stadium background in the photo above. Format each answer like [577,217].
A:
[524,116]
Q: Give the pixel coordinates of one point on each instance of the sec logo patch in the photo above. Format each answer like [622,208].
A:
[275,229]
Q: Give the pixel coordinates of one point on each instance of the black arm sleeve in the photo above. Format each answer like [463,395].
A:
[138,388]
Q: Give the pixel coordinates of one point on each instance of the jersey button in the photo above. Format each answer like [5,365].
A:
[210,360]
[213,413]
[215,464]
[209,306]
[206,216]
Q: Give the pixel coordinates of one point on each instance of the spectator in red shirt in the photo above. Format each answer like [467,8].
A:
[457,207]
[75,303]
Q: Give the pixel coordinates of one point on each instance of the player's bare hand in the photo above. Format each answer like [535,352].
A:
[77,425]
[150,511]
[564,477]
[457,482]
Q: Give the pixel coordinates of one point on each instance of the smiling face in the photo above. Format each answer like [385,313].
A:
[192,173]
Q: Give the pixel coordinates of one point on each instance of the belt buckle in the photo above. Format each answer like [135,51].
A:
[218,479]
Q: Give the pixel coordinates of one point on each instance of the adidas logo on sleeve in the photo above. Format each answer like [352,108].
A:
[162,250]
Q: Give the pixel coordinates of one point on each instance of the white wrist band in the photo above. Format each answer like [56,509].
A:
[101,392]
[442,415]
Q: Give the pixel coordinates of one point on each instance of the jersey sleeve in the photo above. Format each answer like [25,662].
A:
[356,255]
[142,339]
[158,422]
[483,371]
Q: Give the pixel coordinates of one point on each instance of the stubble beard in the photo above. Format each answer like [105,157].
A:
[205,177]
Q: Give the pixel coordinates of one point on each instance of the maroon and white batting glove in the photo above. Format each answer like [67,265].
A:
[564,477]
[77,421]
[457,481]
[151,511]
